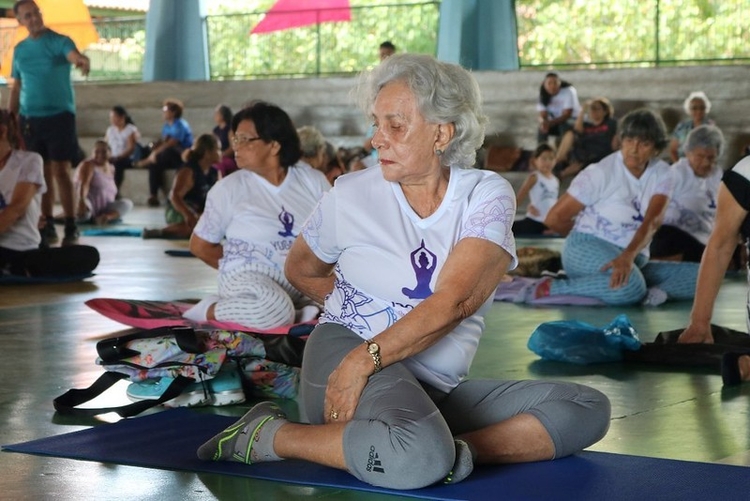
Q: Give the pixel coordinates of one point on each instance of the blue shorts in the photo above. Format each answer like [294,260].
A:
[53,137]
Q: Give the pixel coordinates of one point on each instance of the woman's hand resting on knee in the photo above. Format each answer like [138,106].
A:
[345,385]
[621,267]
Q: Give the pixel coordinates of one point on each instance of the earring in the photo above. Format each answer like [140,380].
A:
[438,152]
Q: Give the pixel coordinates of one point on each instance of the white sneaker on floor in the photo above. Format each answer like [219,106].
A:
[654,297]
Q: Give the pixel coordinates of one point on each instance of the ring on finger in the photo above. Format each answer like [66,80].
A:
[334,415]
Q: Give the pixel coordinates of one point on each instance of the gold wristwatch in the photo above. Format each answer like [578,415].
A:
[374,350]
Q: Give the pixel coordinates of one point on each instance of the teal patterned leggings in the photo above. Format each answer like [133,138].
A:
[583,256]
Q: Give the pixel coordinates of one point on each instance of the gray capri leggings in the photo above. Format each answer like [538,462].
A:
[401,436]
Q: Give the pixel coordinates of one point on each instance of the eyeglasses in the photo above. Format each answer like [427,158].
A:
[694,108]
[244,140]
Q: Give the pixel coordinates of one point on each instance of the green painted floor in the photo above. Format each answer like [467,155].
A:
[48,341]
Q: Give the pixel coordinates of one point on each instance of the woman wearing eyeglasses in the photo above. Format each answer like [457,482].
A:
[697,106]
[250,222]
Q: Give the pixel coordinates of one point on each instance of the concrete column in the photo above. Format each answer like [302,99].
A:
[176,41]
[479,34]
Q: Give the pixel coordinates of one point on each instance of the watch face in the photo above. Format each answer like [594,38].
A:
[373,348]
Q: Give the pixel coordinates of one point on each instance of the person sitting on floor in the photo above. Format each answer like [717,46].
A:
[21,187]
[166,153]
[223,120]
[97,191]
[732,219]
[187,199]
[691,212]
[558,107]
[593,137]
[542,188]
[334,166]
[122,137]
[407,255]
[697,106]
[609,214]
[313,146]
[250,222]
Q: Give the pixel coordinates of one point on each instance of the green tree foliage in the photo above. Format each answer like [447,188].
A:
[118,55]
[606,33]
[334,48]
[551,33]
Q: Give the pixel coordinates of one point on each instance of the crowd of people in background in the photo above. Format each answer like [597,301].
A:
[254,196]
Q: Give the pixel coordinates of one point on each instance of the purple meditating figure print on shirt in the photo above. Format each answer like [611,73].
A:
[637,206]
[711,200]
[424,263]
[288,221]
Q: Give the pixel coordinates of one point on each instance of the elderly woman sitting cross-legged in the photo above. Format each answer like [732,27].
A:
[609,216]
[407,256]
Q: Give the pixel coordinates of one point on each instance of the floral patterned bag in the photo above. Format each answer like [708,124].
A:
[269,362]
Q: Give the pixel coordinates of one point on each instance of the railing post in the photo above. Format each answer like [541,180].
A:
[318,49]
[656,47]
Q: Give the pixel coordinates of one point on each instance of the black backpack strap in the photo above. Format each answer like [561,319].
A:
[68,402]
[113,350]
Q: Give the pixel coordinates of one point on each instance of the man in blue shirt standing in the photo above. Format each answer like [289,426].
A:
[42,94]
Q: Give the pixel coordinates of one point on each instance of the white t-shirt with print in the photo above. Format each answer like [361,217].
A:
[118,139]
[22,166]
[565,99]
[256,220]
[692,206]
[388,258]
[616,201]
[543,195]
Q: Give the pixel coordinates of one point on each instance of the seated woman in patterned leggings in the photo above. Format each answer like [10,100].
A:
[610,214]
[251,219]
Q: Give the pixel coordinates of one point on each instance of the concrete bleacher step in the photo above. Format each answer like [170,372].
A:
[135,186]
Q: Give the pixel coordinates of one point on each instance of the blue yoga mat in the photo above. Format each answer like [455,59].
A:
[112,232]
[61,279]
[169,439]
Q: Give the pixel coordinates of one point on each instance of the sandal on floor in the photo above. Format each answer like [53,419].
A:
[730,368]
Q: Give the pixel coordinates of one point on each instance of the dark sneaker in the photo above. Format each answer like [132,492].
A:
[153,233]
[71,236]
[153,201]
[49,234]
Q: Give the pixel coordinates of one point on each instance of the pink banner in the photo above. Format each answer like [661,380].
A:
[286,14]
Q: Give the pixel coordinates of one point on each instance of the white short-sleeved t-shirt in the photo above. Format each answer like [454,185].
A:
[565,99]
[692,206]
[616,201]
[22,166]
[543,196]
[388,258]
[118,139]
[257,220]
